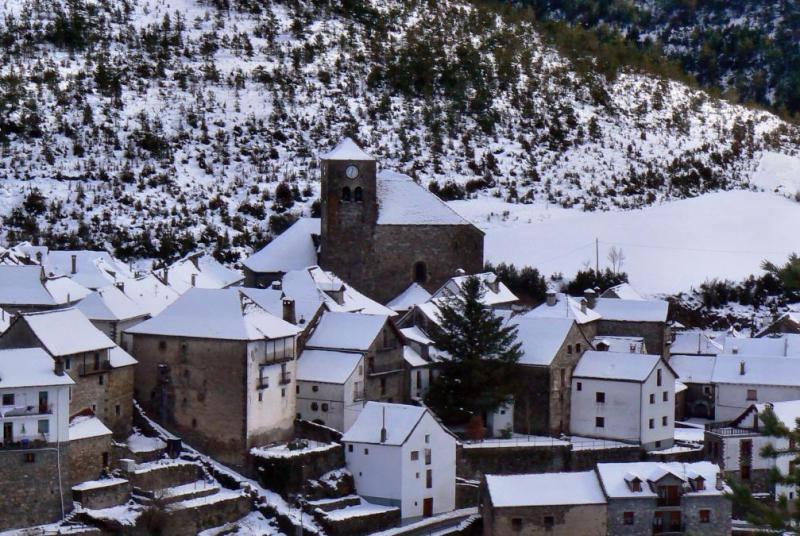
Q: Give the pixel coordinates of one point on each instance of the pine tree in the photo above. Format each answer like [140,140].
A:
[480,375]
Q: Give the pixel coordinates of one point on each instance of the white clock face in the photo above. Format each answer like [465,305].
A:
[351,172]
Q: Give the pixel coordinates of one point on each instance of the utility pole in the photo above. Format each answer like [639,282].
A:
[597,256]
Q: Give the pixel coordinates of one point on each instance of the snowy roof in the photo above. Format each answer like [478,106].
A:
[622,291]
[29,367]
[216,314]
[347,149]
[294,249]
[120,358]
[271,300]
[352,299]
[151,293]
[206,270]
[110,303]
[401,201]
[22,285]
[615,366]
[92,267]
[632,310]
[758,370]
[347,331]
[415,334]
[781,346]
[64,290]
[398,419]
[565,307]
[615,477]
[66,332]
[410,297]
[787,412]
[541,338]
[5,320]
[694,342]
[693,368]
[545,489]
[495,292]
[791,316]
[413,358]
[631,345]
[325,366]
[86,426]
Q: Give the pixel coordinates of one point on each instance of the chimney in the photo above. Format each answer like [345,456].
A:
[277,285]
[493,283]
[591,297]
[460,272]
[551,298]
[583,306]
[59,368]
[74,264]
[194,280]
[383,426]
[120,285]
[719,484]
[741,368]
[39,257]
[289,311]
[166,275]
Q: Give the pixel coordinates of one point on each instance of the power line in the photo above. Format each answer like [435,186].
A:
[701,250]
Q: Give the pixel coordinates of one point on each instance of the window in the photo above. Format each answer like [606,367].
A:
[358,194]
[162,345]
[366,451]
[652,399]
[428,456]
[96,361]
[427,438]
[516,524]
[599,397]
[314,388]
[420,272]
[314,406]
[699,483]
[744,472]
[100,379]
[383,386]
[705,516]
[260,396]
[579,386]
[414,455]
[752,394]
[324,406]
[569,349]
[67,363]
[578,347]
[549,522]
[636,485]
[346,193]
[283,393]
[429,478]
[117,410]
[627,518]
[194,423]
[665,396]
[44,426]
[297,389]
[651,423]
[599,422]
[8,399]
[658,444]
[707,390]
[30,457]
[664,420]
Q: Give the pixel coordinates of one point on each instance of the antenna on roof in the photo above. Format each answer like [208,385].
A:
[383,425]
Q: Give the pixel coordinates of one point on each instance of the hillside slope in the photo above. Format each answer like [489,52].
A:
[152,126]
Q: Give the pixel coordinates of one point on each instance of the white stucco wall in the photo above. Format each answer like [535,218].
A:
[273,407]
[731,399]
[27,426]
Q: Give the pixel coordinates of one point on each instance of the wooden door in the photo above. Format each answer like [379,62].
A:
[8,432]
[427,507]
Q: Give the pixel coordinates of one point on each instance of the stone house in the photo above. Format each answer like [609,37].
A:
[218,370]
[26,289]
[34,410]
[402,456]
[635,318]
[625,397]
[111,311]
[665,498]
[89,448]
[786,323]
[330,387]
[200,270]
[406,300]
[695,372]
[376,338]
[551,349]
[102,371]
[548,503]
[495,293]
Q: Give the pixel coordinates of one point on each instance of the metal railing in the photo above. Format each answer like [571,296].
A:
[23,411]
[25,442]
[87,369]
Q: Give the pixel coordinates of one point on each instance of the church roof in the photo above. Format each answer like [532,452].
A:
[401,201]
[347,149]
[294,249]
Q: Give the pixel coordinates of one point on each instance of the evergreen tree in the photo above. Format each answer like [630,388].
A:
[480,374]
[788,275]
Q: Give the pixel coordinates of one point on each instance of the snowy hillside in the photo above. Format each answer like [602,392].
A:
[153,126]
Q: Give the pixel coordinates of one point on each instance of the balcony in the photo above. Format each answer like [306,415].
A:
[724,429]
[88,370]
[668,502]
[26,411]
[389,368]
[286,378]
[33,441]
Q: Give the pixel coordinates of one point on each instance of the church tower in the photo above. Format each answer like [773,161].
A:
[349,211]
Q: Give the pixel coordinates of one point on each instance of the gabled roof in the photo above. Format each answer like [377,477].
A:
[787,412]
[758,370]
[401,201]
[495,292]
[216,314]
[92,267]
[693,368]
[695,342]
[29,367]
[786,344]
[545,489]
[632,310]
[630,345]
[150,293]
[410,297]
[565,307]
[347,331]
[622,291]
[347,149]
[616,366]
[792,317]
[85,426]
[413,358]
[615,477]
[399,420]
[206,270]
[64,290]
[541,338]
[271,300]
[294,249]
[326,366]
[66,332]
[22,285]
[110,304]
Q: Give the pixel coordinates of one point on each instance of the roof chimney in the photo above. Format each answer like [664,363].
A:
[583,306]
[460,272]
[741,368]
[74,259]
[289,311]
[719,484]
[277,285]
[591,297]
[39,257]
[59,368]
[551,298]
[166,275]
[383,426]
[194,280]
[120,285]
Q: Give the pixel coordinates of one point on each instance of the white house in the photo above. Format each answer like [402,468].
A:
[623,396]
[34,397]
[740,381]
[330,387]
[495,293]
[401,456]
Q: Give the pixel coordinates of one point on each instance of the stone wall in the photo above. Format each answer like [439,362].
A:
[644,508]
[289,474]
[474,462]
[199,395]
[720,515]
[390,369]
[656,334]
[360,525]
[532,401]
[587,459]
[30,488]
[642,516]
[586,520]
[316,432]
[158,477]
[118,411]
[111,493]
[86,458]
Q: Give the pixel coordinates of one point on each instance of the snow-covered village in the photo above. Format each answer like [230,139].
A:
[399,268]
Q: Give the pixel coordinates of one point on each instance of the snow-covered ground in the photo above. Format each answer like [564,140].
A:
[668,248]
